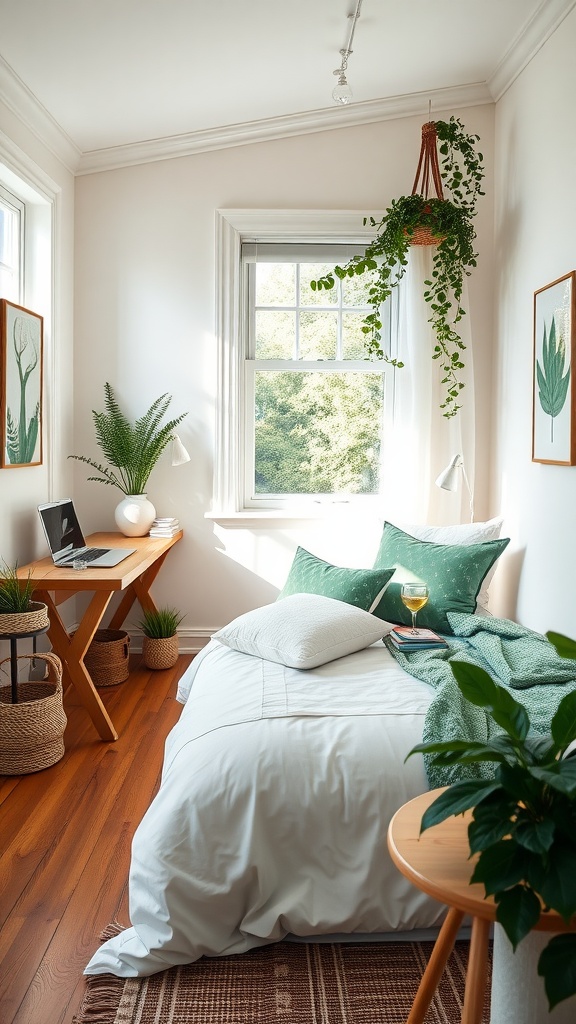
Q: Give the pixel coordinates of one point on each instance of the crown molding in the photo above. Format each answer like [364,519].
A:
[326,119]
[525,46]
[21,101]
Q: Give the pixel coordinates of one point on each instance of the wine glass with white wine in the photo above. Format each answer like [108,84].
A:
[414,596]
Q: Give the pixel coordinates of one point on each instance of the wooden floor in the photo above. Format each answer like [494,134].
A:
[65,836]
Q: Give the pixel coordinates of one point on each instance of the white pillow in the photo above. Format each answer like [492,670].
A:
[303,631]
[462,533]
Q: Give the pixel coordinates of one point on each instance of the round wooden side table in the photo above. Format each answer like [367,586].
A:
[438,862]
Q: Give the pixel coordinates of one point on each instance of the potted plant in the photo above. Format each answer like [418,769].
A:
[19,614]
[32,718]
[132,450]
[160,644]
[419,219]
[523,818]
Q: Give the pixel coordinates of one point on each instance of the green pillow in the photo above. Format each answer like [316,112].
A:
[311,575]
[453,573]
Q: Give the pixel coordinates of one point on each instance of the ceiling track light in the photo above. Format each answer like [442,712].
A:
[342,93]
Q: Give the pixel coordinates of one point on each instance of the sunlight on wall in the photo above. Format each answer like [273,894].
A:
[342,539]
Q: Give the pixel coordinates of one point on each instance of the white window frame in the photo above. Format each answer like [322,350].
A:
[43,230]
[232,228]
[16,267]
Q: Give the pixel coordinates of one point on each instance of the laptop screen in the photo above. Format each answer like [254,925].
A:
[62,528]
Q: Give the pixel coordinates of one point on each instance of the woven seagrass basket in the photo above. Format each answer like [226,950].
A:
[31,731]
[424,236]
[160,652]
[25,622]
[107,658]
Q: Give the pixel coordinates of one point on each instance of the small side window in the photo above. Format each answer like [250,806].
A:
[11,246]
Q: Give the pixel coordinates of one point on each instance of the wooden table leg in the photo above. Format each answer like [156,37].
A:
[71,651]
[476,973]
[140,589]
[431,978]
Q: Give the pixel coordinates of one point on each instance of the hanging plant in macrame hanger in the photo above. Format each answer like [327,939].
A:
[425,219]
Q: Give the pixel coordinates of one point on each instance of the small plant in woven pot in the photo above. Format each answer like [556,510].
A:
[160,644]
[18,612]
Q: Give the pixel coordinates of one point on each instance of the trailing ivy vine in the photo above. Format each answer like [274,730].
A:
[450,222]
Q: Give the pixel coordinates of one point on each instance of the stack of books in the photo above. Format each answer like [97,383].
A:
[405,639]
[167,527]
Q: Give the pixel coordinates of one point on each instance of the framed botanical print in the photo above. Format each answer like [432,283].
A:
[21,341]
[554,397]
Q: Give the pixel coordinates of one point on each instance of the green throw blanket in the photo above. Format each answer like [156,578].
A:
[514,656]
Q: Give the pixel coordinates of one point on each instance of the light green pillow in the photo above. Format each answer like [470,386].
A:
[453,573]
[362,588]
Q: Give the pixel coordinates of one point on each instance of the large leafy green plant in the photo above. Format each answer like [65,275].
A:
[132,449]
[524,819]
[450,221]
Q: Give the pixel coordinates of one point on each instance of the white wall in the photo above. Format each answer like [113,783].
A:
[144,320]
[535,244]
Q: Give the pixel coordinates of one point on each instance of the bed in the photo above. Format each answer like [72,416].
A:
[277,788]
[281,777]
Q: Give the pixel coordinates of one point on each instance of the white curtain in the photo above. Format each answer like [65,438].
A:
[419,441]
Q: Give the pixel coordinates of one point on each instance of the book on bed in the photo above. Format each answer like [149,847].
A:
[405,638]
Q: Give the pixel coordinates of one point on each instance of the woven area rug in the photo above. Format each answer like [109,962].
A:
[286,983]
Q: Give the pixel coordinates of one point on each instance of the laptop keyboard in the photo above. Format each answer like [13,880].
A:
[90,555]
[93,553]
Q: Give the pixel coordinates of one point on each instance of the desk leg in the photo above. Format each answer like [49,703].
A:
[431,978]
[71,652]
[140,589]
[476,973]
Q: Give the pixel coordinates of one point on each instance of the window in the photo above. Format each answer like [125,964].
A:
[313,404]
[11,246]
[301,410]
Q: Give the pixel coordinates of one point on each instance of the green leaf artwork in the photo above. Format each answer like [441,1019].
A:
[552,381]
[22,434]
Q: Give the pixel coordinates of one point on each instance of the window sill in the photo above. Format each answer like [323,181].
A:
[272,517]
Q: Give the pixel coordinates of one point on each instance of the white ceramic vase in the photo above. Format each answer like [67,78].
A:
[134,515]
[518,995]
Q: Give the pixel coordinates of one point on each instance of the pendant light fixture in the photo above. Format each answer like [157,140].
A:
[342,93]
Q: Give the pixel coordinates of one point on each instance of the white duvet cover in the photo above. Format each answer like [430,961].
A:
[278,786]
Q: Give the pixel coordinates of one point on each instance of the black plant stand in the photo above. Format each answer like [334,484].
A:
[14,638]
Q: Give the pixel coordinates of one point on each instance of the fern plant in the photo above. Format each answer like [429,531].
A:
[131,449]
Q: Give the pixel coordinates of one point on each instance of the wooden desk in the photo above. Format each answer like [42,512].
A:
[438,862]
[54,585]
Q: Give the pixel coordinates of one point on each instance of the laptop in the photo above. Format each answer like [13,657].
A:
[66,540]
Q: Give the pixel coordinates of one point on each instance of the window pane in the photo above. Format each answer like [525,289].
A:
[355,290]
[275,284]
[318,335]
[275,335]
[310,272]
[9,253]
[317,432]
[353,345]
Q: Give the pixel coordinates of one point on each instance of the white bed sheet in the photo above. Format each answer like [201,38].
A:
[277,789]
